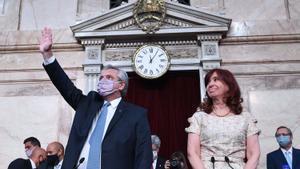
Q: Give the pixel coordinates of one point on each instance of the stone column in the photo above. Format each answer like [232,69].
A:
[92,63]
[210,58]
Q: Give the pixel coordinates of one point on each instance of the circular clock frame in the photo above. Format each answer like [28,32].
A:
[151,61]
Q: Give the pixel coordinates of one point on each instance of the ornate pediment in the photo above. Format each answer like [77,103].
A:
[179,19]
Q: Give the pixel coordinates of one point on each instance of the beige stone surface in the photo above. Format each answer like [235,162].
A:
[274,108]
[55,13]
[45,117]
[260,52]
[9,19]
[23,61]
[294,9]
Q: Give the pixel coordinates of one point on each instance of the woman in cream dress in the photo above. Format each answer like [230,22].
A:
[220,135]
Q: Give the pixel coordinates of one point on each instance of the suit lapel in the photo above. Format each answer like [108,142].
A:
[28,164]
[118,114]
[84,128]
[281,156]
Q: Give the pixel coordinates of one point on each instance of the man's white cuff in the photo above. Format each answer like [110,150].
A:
[49,60]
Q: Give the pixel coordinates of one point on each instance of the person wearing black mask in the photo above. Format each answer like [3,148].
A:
[286,156]
[55,151]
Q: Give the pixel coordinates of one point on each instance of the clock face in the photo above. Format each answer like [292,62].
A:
[151,61]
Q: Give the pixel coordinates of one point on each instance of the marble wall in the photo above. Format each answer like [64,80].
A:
[262,49]
[274,108]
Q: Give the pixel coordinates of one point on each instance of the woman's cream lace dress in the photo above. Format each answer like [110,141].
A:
[223,136]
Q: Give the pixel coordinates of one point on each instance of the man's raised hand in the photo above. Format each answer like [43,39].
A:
[46,43]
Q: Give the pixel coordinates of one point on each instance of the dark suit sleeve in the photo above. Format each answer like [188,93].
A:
[64,85]
[19,164]
[270,162]
[143,150]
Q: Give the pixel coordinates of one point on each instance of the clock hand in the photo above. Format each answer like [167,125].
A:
[153,57]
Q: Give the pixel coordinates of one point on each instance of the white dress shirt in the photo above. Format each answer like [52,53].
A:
[154,163]
[58,166]
[290,153]
[33,166]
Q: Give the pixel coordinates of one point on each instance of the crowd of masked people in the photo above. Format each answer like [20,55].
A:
[38,157]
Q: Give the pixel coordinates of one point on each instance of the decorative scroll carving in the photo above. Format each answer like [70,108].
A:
[117,55]
[175,53]
[183,53]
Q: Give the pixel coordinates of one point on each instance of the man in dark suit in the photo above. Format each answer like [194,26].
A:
[158,161]
[124,133]
[38,156]
[286,157]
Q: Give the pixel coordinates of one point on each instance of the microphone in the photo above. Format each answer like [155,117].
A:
[228,162]
[212,159]
[80,162]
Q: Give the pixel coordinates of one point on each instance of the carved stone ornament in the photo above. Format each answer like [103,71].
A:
[93,54]
[210,50]
[149,14]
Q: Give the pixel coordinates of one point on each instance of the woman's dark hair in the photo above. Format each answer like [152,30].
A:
[178,155]
[233,96]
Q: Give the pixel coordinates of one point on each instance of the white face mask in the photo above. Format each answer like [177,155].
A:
[154,155]
[28,152]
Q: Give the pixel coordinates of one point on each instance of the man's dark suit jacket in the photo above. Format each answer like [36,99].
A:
[160,163]
[20,164]
[127,142]
[276,159]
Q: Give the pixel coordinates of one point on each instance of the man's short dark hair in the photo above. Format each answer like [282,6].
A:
[284,127]
[34,141]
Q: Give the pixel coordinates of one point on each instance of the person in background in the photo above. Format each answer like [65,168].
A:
[30,144]
[286,157]
[221,135]
[158,161]
[55,155]
[107,132]
[177,161]
[36,159]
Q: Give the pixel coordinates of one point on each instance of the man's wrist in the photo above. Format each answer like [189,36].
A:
[49,60]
